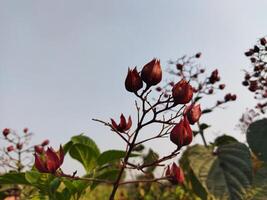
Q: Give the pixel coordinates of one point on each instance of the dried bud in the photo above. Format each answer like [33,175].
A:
[253,86]
[175,174]
[182,92]
[45,142]
[25,130]
[151,73]
[38,149]
[193,113]
[245,83]
[228,97]
[50,161]
[256,49]
[253,60]
[214,77]
[181,134]
[222,86]
[6,131]
[123,125]
[179,66]
[198,55]
[249,53]
[158,89]
[133,81]
[210,91]
[10,148]
[233,97]
[263,41]
[19,146]
[202,71]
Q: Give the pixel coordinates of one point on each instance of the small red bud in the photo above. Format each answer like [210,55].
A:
[263,41]
[228,97]
[38,149]
[175,174]
[25,130]
[210,91]
[198,55]
[253,60]
[202,71]
[123,125]
[214,77]
[19,146]
[151,73]
[222,86]
[179,66]
[158,89]
[233,97]
[6,131]
[193,113]
[182,92]
[133,81]
[45,142]
[10,148]
[181,134]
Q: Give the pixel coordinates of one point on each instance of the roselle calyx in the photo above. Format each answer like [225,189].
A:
[49,161]
[214,77]
[123,126]
[175,174]
[151,73]
[193,113]
[182,92]
[133,81]
[45,142]
[181,134]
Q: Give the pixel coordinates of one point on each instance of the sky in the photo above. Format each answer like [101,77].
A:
[64,62]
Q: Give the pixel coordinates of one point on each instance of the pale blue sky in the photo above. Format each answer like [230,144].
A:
[64,62]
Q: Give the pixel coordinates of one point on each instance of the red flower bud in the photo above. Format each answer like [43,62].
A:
[10,148]
[175,174]
[221,86]
[210,91]
[214,77]
[25,130]
[179,66]
[123,125]
[233,97]
[133,81]
[263,41]
[193,113]
[19,146]
[6,131]
[50,161]
[45,142]
[38,149]
[181,134]
[228,97]
[198,55]
[182,92]
[253,86]
[151,73]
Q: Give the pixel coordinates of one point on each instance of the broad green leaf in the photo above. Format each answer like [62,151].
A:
[111,156]
[231,175]
[260,184]
[257,137]
[32,176]
[86,155]
[226,175]
[109,175]
[224,139]
[196,162]
[82,139]
[14,178]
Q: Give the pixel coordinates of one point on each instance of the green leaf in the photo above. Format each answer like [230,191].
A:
[82,139]
[224,139]
[14,178]
[196,162]
[226,176]
[86,155]
[257,137]
[67,147]
[32,176]
[231,174]
[109,175]
[111,156]
[149,158]
[260,184]
[203,126]
[54,184]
